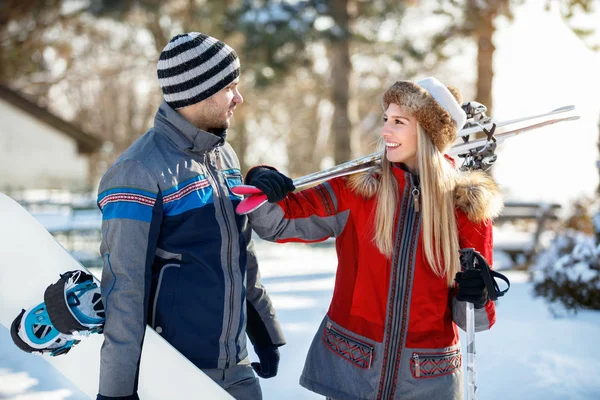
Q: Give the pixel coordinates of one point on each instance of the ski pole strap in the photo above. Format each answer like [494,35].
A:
[498,292]
[472,259]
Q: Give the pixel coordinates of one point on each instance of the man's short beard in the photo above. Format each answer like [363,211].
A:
[217,125]
[210,118]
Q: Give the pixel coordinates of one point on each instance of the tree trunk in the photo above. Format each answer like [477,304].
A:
[242,144]
[341,69]
[598,162]
[304,156]
[160,41]
[239,141]
[485,58]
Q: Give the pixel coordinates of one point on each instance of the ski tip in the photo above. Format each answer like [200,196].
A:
[564,109]
[553,121]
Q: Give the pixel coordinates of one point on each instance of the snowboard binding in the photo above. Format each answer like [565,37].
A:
[71,311]
[74,304]
[33,332]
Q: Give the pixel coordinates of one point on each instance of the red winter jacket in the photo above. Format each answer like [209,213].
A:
[391,325]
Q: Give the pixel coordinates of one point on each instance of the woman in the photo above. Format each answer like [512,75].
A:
[390,332]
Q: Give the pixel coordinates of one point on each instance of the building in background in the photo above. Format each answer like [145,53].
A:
[42,151]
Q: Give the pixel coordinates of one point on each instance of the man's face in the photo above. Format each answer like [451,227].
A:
[215,112]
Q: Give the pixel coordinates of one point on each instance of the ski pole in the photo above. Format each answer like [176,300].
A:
[471,365]
[467,262]
[472,259]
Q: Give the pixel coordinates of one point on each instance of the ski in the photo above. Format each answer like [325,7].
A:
[477,154]
[462,148]
[501,136]
[486,123]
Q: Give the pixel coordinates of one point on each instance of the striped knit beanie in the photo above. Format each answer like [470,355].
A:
[194,66]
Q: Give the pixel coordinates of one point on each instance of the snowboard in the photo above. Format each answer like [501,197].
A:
[31,259]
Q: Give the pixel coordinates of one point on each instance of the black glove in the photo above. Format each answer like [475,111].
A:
[131,397]
[471,287]
[271,182]
[269,361]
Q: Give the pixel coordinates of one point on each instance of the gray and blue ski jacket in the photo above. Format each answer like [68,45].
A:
[176,255]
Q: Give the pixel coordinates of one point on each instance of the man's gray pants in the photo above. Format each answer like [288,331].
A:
[239,380]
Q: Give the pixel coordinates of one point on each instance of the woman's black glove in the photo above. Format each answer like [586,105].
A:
[471,287]
[271,182]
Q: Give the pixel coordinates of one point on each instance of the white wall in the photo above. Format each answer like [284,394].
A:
[34,155]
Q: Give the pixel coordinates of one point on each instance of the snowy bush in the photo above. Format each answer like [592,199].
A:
[568,271]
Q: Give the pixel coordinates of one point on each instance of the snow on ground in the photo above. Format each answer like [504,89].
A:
[30,377]
[526,355]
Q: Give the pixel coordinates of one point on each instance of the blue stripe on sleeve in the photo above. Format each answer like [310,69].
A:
[127,210]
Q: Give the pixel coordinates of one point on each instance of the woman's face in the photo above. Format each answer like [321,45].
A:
[400,136]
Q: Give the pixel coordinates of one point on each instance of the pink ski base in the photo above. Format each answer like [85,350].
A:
[245,189]
[251,203]
[255,198]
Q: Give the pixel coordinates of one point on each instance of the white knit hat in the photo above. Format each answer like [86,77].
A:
[444,98]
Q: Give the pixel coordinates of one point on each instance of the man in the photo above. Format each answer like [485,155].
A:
[176,255]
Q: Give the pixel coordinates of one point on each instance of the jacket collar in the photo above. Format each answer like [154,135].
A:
[185,135]
[402,173]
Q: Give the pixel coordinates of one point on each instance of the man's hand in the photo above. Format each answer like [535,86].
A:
[269,361]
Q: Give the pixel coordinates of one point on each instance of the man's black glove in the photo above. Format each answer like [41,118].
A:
[269,361]
[271,182]
[471,287]
[131,397]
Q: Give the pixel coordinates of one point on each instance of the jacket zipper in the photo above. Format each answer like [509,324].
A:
[415,358]
[415,192]
[229,255]
[387,382]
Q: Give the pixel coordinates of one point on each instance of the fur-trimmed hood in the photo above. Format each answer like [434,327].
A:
[478,196]
[476,193]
